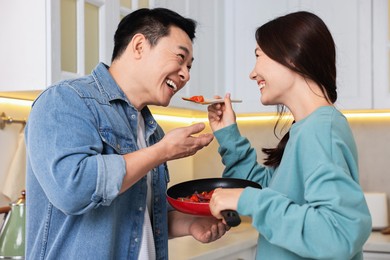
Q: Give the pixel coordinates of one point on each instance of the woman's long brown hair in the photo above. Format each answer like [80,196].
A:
[301,42]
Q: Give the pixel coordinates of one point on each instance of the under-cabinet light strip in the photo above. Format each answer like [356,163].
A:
[256,118]
[240,118]
[14,101]
[179,119]
[367,114]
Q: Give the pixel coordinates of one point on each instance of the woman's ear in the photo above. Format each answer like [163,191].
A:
[291,62]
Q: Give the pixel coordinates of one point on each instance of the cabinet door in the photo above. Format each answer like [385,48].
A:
[350,24]
[87,29]
[225,43]
[381,52]
[49,40]
[208,67]
[24,61]
[352,38]
[239,22]
[242,18]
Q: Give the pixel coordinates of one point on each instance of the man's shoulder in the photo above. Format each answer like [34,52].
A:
[84,87]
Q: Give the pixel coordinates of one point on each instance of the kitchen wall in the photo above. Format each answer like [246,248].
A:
[9,137]
[372,137]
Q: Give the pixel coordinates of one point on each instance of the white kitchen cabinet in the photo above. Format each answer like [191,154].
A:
[208,67]
[224,48]
[25,61]
[242,18]
[381,51]
[40,39]
[349,22]
[32,54]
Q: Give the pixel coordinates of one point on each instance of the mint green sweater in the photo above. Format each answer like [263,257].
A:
[311,206]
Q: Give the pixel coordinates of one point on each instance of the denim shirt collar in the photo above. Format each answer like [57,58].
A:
[106,83]
[110,89]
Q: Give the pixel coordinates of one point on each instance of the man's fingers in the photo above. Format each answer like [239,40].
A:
[195,128]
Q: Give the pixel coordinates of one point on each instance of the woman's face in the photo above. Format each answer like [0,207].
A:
[275,81]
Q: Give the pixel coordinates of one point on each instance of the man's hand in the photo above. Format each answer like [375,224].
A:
[203,229]
[207,229]
[181,142]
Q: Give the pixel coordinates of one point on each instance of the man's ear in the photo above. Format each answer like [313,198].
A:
[137,45]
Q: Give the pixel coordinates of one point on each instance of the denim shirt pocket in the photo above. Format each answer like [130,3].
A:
[116,142]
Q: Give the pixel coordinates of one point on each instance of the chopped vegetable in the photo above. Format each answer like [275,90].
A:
[203,197]
[198,99]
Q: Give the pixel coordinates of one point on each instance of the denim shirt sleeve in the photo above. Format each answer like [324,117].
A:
[67,144]
[108,188]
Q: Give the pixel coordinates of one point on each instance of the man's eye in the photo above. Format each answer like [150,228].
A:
[181,56]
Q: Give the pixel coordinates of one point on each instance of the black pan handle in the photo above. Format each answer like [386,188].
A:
[231,217]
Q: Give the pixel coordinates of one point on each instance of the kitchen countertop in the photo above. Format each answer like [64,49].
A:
[245,237]
[377,242]
[237,238]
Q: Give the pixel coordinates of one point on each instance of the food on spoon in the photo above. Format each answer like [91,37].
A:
[203,197]
[198,99]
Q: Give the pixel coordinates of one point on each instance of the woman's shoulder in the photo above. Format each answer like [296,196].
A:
[321,119]
[324,125]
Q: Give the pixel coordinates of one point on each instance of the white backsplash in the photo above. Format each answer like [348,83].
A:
[372,137]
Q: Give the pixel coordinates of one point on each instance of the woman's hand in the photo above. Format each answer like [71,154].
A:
[221,115]
[224,199]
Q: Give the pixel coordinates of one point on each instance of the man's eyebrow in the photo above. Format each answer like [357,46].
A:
[185,49]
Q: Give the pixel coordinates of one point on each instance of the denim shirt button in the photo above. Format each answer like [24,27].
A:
[133,116]
[118,146]
[136,239]
[140,208]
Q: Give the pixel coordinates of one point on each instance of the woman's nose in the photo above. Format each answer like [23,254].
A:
[252,75]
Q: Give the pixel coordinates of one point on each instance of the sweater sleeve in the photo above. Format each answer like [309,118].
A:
[239,158]
[331,223]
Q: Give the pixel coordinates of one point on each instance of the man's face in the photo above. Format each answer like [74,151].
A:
[167,66]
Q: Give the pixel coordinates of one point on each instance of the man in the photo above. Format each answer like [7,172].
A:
[97,174]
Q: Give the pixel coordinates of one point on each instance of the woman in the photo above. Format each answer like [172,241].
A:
[311,204]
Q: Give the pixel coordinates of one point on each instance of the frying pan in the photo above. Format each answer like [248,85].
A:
[188,188]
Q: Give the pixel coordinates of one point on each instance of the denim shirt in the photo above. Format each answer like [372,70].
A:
[76,135]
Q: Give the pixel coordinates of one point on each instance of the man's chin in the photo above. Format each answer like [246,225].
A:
[165,103]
